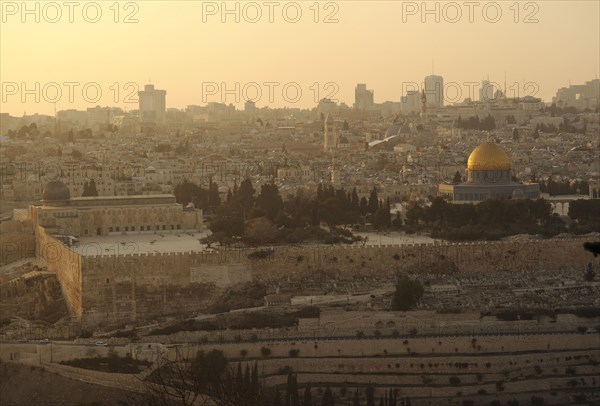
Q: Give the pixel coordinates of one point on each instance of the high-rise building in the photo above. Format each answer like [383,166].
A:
[152,105]
[486,93]
[411,103]
[363,98]
[579,96]
[434,91]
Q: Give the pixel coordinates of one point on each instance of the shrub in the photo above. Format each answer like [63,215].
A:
[265,351]
[537,401]
[454,380]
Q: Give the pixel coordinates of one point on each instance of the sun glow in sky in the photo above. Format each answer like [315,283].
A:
[320,48]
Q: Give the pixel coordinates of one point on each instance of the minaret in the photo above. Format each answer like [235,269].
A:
[328,134]
[335,172]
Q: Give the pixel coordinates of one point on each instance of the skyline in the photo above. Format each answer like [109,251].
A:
[393,48]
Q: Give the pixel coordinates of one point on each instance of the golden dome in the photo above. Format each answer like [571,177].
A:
[488,156]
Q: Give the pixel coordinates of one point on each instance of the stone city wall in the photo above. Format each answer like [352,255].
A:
[67,265]
[352,261]
[123,288]
[17,241]
[126,288]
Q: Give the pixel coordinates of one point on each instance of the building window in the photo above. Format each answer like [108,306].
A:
[107,280]
[110,229]
[117,228]
[178,226]
[132,228]
[164,227]
[85,232]
[172,227]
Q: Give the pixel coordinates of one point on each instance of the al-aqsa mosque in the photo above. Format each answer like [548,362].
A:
[488,177]
[59,213]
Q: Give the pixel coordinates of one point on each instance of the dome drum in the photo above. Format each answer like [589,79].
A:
[55,193]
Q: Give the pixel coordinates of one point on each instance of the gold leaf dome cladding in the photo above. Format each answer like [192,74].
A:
[488,156]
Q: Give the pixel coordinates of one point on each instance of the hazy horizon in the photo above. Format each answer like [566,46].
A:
[174,49]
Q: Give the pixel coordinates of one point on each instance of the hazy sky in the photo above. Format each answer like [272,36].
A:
[182,46]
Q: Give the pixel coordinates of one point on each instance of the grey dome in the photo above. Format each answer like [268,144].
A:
[56,191]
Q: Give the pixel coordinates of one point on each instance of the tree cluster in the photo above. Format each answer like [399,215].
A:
[474,123]
[585,211]
[387,398]
[554,188]
[554,110]
[408,293]
[265,217]
[206,379]
[490,219]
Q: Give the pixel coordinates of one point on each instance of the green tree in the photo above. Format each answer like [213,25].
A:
[244,195]
[307,401]
[408,294]
[457,177]
[328,399]
[370,394]
[590,274]
[373,204]
[269,201]
[356,400]
[214,200]
[291,397]
[260,230]
[209,368]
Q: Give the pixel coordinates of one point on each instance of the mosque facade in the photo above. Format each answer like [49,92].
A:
[489,176]
[59,213]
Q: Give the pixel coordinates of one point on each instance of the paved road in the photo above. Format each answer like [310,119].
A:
[331,338]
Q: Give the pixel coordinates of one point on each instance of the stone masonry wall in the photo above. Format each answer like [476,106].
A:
[57,257]
[120,289]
